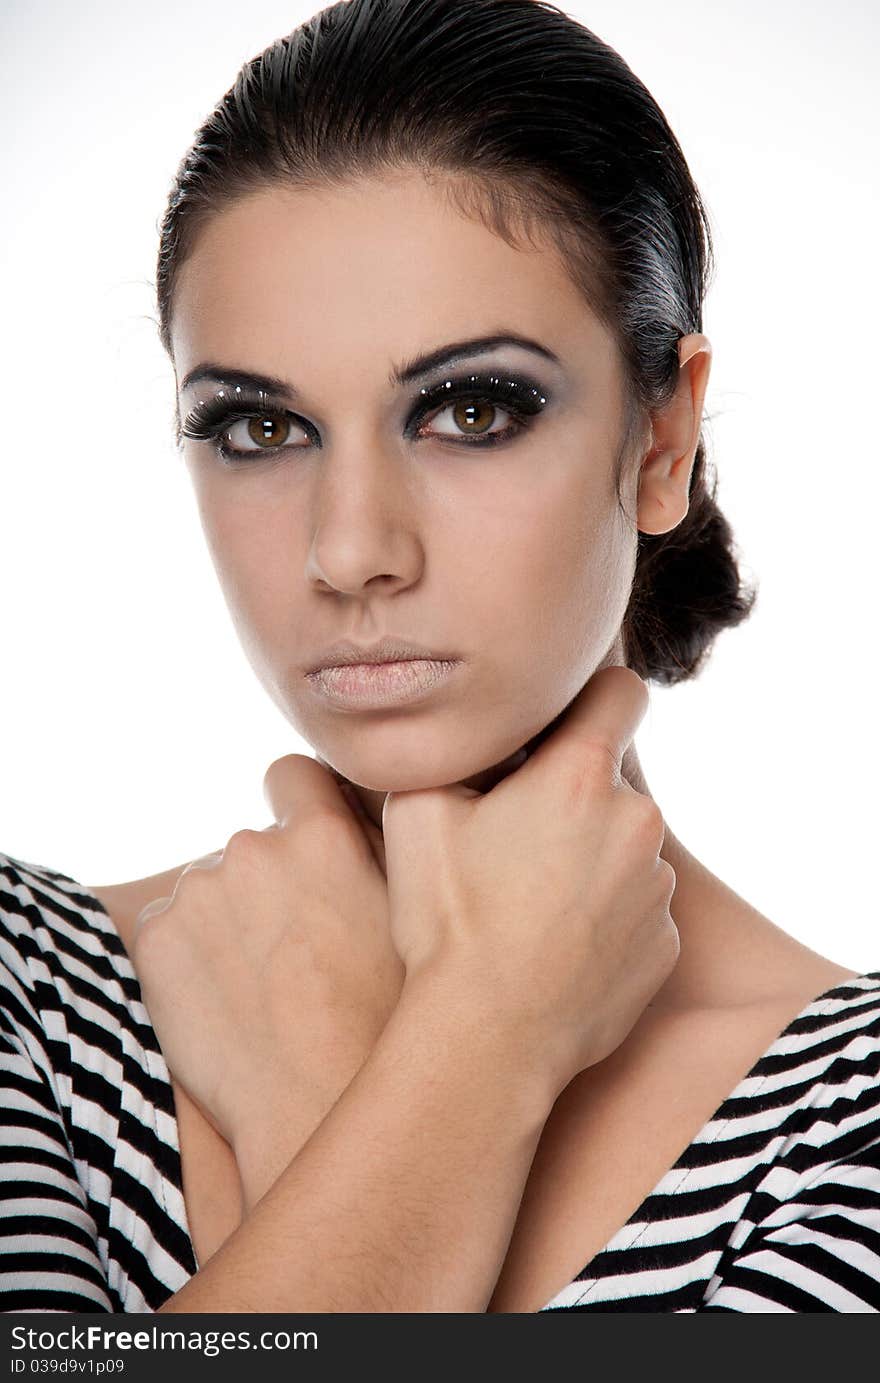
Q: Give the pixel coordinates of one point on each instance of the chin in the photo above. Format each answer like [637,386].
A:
[481,775]
[415,781]
[431,763]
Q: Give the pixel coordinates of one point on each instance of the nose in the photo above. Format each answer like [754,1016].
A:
[364,518]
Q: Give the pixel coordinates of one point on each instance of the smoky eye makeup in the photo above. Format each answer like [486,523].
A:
[246,426]
[518,394]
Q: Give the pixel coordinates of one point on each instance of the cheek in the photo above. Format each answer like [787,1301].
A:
[552,578]
[257,562]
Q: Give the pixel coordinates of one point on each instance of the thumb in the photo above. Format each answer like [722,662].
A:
[608,710]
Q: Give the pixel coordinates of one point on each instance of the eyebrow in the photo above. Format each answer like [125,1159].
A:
[403,374]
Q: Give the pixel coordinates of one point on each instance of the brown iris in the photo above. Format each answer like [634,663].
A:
[467,415]
[269,429]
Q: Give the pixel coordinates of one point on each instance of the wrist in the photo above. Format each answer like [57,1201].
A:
[444,1006]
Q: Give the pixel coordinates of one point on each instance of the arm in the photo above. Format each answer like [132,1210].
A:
[405,1197]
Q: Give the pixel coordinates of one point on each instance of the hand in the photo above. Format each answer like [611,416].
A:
[270,971]
[544,902]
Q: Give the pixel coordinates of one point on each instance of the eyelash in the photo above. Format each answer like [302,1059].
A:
[522,397]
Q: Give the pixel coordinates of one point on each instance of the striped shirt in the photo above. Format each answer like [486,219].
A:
[774,1206]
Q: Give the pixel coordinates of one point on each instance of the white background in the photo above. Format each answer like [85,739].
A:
[135,736]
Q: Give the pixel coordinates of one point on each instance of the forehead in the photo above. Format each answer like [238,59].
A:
[378,266]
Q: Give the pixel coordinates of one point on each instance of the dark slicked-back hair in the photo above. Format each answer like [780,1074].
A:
[531,123]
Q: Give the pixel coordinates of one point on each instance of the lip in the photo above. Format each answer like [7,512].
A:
[370,686]
[389,649]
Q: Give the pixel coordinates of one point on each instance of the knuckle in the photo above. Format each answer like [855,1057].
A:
[202,863]
[646,821]
[589,770]
[598,759]
[148,927]
[667,876]
[192,878]
[671,942]
[245,847]
[155,905]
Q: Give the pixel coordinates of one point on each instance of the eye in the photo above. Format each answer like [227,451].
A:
[467,417]
[259,432]
[245,428]
[470,406]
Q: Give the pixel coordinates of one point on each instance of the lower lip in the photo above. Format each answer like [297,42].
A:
[372,685]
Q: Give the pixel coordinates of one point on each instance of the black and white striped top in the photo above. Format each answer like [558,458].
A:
[775,1205]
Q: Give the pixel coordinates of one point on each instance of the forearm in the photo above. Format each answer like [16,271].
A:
[268,1148]
[405,1197]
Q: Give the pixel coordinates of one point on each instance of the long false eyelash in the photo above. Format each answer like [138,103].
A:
[521,396]
[209,417]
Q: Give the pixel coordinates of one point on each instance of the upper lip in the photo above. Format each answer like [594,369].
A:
[387,650]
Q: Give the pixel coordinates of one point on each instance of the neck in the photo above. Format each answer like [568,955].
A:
[373,799]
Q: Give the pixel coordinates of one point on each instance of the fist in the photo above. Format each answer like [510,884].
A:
[270,971]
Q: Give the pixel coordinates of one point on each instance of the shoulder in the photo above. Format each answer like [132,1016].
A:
[61,959]
[44,907]
[823,1073]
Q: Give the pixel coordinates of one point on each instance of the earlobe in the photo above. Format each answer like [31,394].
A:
[663,493]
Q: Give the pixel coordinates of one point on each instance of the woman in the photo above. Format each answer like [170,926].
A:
[468,1029]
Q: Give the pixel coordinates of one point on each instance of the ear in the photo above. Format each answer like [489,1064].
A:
[675,432]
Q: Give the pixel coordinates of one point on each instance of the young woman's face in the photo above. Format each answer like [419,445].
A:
[431,510]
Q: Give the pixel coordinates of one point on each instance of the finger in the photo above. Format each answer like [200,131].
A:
[296,783]
[607,710]
[486,780]
[370,829]
[479,784]
[203,862]
[482,783]
[368,826]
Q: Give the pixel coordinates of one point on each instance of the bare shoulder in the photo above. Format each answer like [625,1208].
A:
[124,901]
